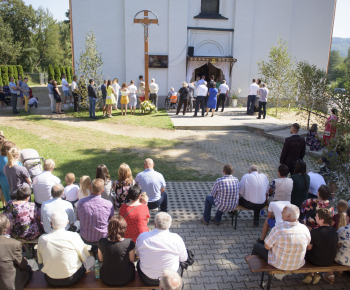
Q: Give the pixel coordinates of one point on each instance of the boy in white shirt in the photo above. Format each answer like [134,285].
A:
[65,88]
[71,190]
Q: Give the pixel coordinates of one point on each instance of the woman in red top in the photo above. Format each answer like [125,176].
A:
[135,213]
[331,129]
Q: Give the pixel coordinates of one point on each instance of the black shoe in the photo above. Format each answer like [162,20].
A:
[258,117]
[194,115]
[256,223]
[16,112]
[62,110]
[260,241]
[263,117]
[222,110]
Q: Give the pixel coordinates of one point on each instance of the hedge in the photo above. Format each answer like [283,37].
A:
[15,73]
[20,70]
[57,75]
[51,72]
[69,76]
[10,71]
[5,75]
[1,83]
[63,71]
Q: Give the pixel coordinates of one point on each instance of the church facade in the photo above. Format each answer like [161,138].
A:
[225,38]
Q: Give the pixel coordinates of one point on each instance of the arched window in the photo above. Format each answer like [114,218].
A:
[210,7]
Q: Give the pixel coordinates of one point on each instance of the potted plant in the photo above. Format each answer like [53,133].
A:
[234,97]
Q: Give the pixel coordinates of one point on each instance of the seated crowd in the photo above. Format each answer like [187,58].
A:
[75,224]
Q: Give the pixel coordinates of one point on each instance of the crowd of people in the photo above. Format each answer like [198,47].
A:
[106,221]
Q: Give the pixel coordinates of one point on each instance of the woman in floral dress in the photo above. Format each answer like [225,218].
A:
[24,216]
[330,129]
[310,206]
[312,139]
[122,185]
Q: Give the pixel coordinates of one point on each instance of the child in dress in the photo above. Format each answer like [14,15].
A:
[124,101]
[85,185]
[144,198]
[71,190]
[339,219]
[312,139]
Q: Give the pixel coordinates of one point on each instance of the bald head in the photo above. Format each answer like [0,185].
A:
[253,168]
[170,280]
[148,164]
[57,191]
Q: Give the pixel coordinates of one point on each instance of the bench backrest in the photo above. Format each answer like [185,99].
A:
[89,281]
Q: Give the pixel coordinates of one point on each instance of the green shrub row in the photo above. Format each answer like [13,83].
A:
[7,71]
[56,73]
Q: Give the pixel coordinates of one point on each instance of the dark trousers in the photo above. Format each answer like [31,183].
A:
[154,98]
[14,102]
[179,105]
[76,101]
[38,204]
[146,279]
[67,281]
[259,249]
[291,169]
[222,99]
[162,203]
[250,104]
[201,100]
[253,206]
[262,105]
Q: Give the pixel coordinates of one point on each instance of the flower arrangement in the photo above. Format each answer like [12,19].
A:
[148,107]
[234,94]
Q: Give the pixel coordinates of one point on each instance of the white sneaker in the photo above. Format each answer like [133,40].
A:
[279,276]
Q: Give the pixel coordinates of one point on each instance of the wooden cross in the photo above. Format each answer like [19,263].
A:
[146,22]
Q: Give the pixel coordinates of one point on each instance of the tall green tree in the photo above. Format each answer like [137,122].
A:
[279,73]
[90,63]
[4,74]
[9,49]
[58,74]
[51,72]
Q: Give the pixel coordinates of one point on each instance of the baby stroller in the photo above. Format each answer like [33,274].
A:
[32,161]
[7,93]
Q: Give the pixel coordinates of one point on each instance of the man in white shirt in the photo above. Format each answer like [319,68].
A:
[223,90]
[64,255]
[263,93]
[274,216]
[201,91]
[153,90]
[252,92]
[159,249]
[252,191]
[316,180]
[54,204]
[42,183]
[65,88]
[75,92]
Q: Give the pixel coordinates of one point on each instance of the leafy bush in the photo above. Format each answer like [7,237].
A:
[57,75]
[20,70]
[15,73]
[71,73]
[1,84]
[51,72]
[69,76]
[63,71]
[5,75]
[10,71]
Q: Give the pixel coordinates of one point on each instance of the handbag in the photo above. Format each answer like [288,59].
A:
[188,262]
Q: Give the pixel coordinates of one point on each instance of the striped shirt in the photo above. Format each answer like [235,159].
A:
[288,242]
[94,212]
[226,193]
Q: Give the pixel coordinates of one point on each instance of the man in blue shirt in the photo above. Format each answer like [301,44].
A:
[52,100]
[13,89]
[153,183]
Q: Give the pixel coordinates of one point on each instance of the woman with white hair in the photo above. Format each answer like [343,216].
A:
[17,175]
[184,93]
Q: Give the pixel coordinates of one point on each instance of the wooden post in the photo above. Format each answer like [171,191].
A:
[145,22]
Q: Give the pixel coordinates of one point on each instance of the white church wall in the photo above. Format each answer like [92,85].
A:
[103,17]
[305,25]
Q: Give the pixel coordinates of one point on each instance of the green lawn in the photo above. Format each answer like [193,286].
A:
[157,120]
[80,150]
[272,112]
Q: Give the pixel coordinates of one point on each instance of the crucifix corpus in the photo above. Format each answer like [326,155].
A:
[146,22]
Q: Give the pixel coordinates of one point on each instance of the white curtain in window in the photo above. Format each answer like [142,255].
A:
[191,66]
[225,67]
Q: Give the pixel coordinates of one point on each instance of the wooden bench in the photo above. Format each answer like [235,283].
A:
[258,264]
[238,210]
[89,281]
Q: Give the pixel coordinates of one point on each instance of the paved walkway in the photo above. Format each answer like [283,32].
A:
[220,250]
[230,119]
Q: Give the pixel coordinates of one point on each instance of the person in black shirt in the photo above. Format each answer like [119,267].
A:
[183,99]
[104,95]
[324,242]
[117,254]
[92,99]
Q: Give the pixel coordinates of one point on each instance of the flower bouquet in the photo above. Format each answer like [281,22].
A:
[148,107]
